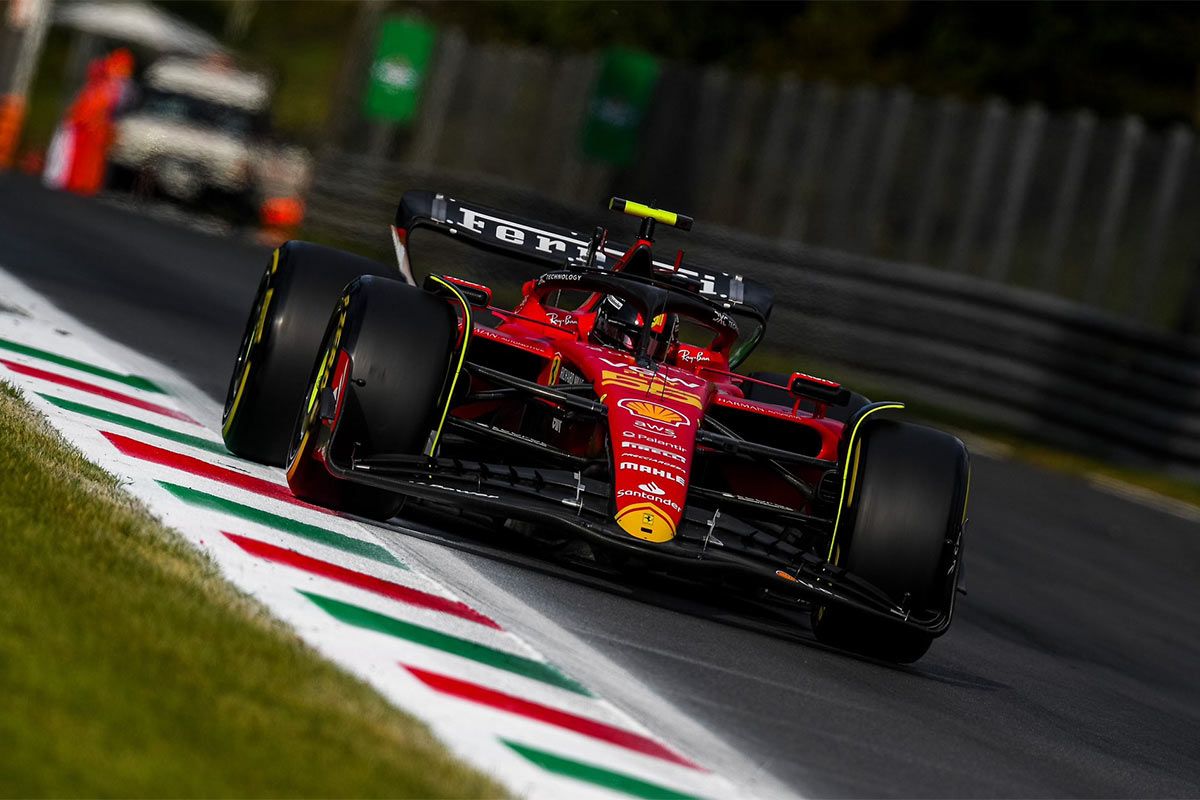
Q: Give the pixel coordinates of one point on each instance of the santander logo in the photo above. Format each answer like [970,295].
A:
[652,488]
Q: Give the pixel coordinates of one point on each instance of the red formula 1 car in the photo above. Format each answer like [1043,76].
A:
[601,416]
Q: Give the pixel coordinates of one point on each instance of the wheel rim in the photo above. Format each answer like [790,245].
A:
[322,373]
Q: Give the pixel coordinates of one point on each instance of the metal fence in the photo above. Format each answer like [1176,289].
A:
[1100,211]
[1017,266]
[1052,368]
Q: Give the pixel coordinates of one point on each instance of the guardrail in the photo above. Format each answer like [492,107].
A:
[1047,367]
[1091,209]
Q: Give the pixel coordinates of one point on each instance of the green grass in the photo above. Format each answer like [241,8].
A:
[1021,447]
[129,667]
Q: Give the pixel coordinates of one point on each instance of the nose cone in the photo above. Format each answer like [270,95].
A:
[653,418]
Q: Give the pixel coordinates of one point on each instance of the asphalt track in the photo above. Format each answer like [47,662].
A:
[1071,670]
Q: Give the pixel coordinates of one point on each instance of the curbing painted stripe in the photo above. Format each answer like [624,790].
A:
[481,695]
[390,626]
[359,580]
[444,711]
[91,388]
[63,361]
[167,458]
[590,773]
[136,424]
[313,533]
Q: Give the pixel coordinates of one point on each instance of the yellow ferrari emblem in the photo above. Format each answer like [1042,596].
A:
[645,521]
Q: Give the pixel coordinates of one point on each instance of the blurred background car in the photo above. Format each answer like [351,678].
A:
[200,135]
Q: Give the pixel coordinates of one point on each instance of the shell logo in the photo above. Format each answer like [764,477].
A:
[653,411]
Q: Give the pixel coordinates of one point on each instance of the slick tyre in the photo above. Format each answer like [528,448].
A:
[900,529]
[376,388]
[279,345]
[781,397]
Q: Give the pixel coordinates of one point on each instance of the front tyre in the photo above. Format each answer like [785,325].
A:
[376,388]
[900,528]
[279,344]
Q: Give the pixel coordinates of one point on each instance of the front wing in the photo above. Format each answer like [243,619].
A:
[710,547]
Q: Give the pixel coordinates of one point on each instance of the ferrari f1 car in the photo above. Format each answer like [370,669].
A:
[601,413]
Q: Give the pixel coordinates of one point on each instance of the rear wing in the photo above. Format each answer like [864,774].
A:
[552,246]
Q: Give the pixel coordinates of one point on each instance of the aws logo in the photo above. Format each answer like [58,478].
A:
[654,412]
[659,431]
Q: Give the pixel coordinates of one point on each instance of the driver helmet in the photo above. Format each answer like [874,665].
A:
[618,324]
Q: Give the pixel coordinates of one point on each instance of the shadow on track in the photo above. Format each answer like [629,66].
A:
[471,535]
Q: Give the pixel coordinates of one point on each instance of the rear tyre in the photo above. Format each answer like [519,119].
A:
[283,332]
[782,397]
[900,529]
[376,388]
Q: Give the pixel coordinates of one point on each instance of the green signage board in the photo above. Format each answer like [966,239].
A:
[620,99]
[401,64]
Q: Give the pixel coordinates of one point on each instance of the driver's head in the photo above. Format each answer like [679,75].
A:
[619,324]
